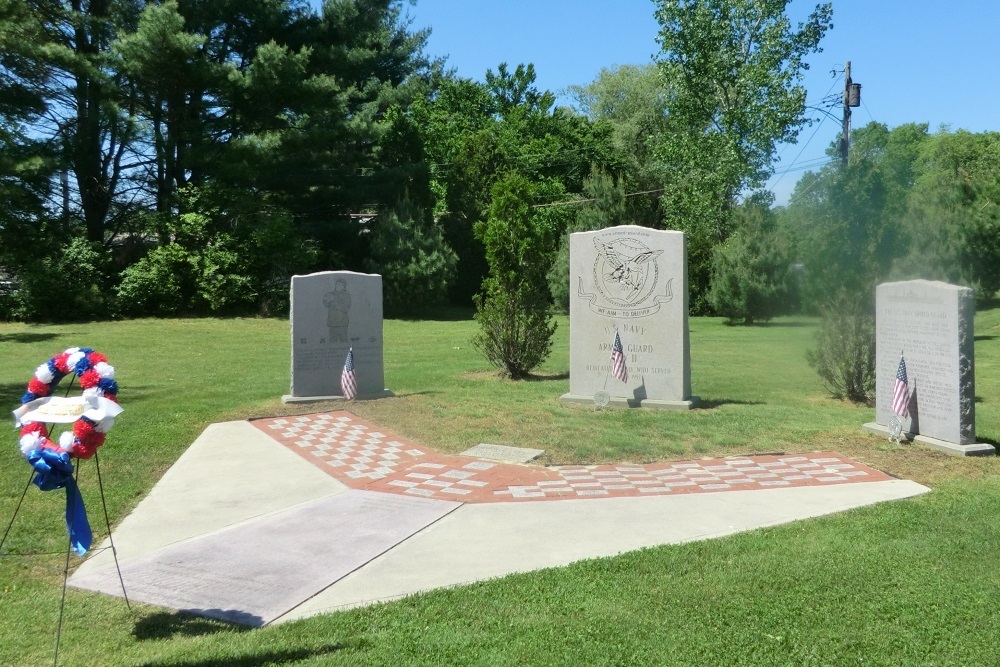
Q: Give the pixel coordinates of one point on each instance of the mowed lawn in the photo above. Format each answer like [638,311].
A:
[905,583]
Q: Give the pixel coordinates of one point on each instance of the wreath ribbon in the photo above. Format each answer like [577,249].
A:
[53,470]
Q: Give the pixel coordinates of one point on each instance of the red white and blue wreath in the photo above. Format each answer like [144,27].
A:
[92,415]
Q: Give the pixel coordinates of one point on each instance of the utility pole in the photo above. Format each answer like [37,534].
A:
[852,98]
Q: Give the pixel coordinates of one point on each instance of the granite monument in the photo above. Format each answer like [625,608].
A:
[629,300]
[929,325]
[333,312]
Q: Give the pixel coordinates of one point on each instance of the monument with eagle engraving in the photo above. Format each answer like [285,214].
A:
[629,343]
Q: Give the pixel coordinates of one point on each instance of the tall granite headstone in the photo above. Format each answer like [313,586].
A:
[631,281]
[930,325]
[332,312]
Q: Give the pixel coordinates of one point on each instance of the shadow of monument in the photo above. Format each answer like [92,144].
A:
[984,337]
[542,377]
[166,625]
[709,403]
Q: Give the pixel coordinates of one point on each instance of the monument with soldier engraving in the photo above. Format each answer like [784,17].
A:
[332,313]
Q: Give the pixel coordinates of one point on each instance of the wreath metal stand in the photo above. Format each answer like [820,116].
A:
[69,543]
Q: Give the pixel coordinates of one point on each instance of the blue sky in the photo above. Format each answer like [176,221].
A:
[917,60]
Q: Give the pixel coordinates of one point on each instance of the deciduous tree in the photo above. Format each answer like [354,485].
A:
[733,71]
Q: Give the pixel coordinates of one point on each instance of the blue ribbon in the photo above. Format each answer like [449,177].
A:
[53,470]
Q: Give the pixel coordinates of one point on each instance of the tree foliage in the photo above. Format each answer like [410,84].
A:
[477,134]
[733,69]
[222,257]
[410,252]
[908,204]
[632,101]
[751,279]
[140,104]
[604,205]
[844,356]
[953,217]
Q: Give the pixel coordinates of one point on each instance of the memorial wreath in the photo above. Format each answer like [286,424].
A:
[92,415]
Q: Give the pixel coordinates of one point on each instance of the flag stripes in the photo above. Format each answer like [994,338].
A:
[901,390]
[618,368]
[348,379]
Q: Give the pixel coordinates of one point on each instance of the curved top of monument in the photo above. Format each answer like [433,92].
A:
[920,282]
[338,273]
[631,228]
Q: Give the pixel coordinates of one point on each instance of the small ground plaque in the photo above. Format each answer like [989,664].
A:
[503,453]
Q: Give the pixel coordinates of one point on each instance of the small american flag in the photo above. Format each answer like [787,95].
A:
[348,380]
[901,390]
[618,368]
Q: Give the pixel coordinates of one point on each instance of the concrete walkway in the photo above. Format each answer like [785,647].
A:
[278,519]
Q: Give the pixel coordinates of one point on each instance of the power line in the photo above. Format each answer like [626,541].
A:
[790,166]
[572,202]
[828,101]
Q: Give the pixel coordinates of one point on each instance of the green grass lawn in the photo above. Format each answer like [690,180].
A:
[906,583]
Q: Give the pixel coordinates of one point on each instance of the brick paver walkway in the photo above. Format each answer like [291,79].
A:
[365,457]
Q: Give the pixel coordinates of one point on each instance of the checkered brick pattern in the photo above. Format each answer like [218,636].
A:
[687,477]
[441,480]
[364,457]
[345,444]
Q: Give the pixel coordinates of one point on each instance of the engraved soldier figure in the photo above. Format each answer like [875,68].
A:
[338,303]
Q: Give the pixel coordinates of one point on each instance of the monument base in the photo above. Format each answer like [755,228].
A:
[976,449]
[288,398]
[621,402]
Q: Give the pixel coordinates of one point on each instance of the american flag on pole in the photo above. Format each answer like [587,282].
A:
[348,380]
[901,390]
[618,368]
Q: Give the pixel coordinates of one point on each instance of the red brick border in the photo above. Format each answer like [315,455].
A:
[365,457]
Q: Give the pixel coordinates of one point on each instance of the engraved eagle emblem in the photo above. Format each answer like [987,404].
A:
[628,271]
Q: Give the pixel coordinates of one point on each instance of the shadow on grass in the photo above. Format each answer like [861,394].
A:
[710,403]
[436,314]
[11,393]
[166,625]
[794,324]
[984,337]
[139,392]
[27,337]
[542,377]
[264,658]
